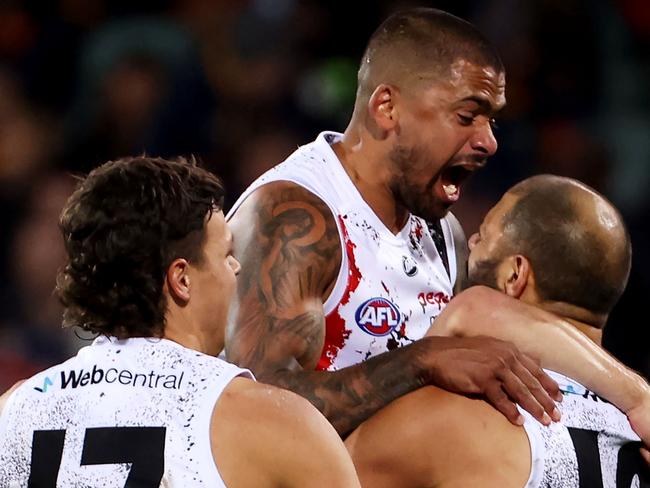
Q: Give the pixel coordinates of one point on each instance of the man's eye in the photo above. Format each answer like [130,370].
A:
[493,124]
[465,119]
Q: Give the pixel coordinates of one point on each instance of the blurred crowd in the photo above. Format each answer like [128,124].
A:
[241,83]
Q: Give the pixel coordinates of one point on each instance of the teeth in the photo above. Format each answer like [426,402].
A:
[450,189]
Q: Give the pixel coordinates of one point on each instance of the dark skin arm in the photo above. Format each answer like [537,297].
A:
[287,242]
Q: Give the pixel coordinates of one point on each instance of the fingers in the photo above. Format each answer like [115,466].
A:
[544,388]
[526,391]
[526,383]
[506,378]
[499,400]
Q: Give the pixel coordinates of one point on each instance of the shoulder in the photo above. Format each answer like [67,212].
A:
[286,435]
[472,440]
[270,411]
[267,197]
[283,224]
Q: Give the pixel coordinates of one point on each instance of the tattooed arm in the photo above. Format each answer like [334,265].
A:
[288,244]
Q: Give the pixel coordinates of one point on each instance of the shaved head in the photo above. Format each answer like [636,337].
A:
[421,44]
[575,239]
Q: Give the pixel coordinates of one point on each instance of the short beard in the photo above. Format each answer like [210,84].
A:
[484,273]
[417,199]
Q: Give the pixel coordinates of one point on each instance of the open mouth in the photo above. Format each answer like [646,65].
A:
[452,178]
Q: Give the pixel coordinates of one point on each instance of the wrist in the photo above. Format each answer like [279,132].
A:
[638,394]
[429,362]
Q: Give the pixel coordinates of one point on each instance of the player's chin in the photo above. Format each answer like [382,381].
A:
[435,211]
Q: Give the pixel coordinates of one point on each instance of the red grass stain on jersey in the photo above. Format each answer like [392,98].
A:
[335,332]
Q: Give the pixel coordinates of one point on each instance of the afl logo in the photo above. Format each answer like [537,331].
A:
[378,316]
[409,265]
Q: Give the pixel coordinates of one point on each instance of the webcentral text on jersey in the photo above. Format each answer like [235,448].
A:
[80,378]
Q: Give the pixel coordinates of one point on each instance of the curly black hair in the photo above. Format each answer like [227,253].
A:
[122,227]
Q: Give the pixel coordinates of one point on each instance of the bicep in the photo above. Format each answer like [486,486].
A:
[287,242]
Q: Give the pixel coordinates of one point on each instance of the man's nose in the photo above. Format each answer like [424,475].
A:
[483,139]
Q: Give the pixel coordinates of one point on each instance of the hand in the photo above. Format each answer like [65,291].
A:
[498,371]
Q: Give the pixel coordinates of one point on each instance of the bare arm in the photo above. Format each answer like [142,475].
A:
[557,344]
[291,443]
[571,353]
[287,242]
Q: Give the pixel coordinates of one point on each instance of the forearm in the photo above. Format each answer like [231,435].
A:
[555,342]
[562,348]
[573,354]
[349,396]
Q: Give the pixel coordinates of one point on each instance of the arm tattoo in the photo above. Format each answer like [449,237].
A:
[288,244]
[349,396]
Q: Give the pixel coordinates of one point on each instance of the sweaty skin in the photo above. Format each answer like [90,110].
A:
[411,133]
[277,323]
[255,418]
[431,437]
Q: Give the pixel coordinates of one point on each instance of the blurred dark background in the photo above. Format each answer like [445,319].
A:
[242,83]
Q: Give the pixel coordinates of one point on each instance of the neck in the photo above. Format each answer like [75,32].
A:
[183,330]
[366,162]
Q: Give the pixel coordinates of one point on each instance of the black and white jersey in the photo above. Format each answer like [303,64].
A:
[120,413]
[593,446]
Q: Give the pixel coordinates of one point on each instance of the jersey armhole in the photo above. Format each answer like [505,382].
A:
[341,282]
[211,402]
[537,450]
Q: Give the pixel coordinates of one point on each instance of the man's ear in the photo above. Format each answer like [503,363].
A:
[517,274]
[178,280]
[382,108]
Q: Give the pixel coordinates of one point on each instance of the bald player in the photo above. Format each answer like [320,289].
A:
[349,253]
[557,245]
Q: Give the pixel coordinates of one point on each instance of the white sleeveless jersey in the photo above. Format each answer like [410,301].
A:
[593,446]
[133,412]
[390,287]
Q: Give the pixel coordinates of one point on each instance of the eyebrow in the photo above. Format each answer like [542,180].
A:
[483,104]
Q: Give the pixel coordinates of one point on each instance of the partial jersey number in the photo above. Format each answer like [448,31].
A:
[143,447]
